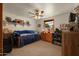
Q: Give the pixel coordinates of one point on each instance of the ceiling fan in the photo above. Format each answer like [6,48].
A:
[37,14]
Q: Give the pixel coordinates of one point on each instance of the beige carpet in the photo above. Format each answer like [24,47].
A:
[38,48]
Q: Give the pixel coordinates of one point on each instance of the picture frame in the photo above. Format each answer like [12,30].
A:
[27,23]
[39,25]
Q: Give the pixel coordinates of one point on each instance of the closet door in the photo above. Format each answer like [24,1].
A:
[1,41]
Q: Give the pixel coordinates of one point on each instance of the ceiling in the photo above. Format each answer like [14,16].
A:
[50,9]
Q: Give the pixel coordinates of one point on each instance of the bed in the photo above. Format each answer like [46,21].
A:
[24,37]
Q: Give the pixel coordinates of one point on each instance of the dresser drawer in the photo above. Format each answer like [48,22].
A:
[46,37]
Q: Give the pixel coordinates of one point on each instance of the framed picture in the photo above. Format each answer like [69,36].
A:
[28,23]
[39,25]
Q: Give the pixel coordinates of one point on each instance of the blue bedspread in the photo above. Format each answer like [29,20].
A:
[24,37]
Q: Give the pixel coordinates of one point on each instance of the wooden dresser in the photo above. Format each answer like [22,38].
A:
[70,43]
[46,37]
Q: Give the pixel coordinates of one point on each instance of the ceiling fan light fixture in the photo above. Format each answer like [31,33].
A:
[37,14]
[37,17]
[36,10]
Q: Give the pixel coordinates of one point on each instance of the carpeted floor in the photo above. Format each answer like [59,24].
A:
[38,48]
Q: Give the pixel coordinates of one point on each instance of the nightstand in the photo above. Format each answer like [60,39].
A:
[7,43]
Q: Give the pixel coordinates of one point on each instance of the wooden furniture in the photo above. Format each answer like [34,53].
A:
[46,37]
[1,40]
[70,43]
[57,37]
[7,43]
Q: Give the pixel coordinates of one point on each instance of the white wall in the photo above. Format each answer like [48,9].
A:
[61,19]
[20,27]
[41,21]
[58,19]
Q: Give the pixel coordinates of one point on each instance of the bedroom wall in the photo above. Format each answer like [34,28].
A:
[61,19]
[20,27]
[58,19]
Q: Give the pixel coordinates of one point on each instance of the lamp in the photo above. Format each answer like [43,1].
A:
[38,14]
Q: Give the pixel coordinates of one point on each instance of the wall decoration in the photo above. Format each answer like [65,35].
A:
[47,26]
[28,23]
[16,21]
[8,19]
[49,23]
[39,25]
[19,21]
[64,26]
